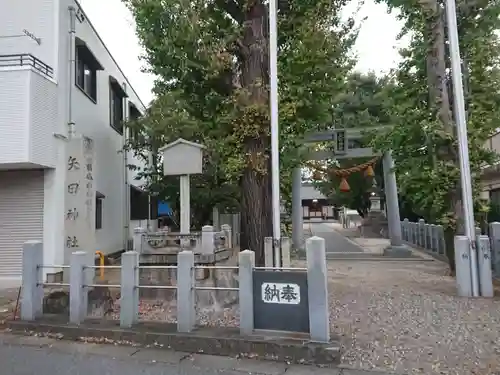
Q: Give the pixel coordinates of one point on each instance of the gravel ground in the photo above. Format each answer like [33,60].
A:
[405,317]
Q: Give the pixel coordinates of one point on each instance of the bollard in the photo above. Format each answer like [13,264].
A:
[317,283]
[32,287]
[245,276]
[484,266]
[77,305]
[186,314]
[129,300]
[462,266]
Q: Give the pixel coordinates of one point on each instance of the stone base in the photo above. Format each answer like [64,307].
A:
[397,251]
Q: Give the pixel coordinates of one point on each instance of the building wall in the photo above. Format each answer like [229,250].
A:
[14,102]
[38,18]
[28,97]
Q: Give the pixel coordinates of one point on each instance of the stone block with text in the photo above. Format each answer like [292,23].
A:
[80,197]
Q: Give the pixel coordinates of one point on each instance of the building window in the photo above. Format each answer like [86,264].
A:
[495,197]
[98,211]
[116,96]
[134,115]
[86,67]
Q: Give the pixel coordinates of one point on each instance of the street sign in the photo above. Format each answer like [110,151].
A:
[280,300]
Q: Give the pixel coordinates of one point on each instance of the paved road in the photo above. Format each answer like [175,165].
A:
[20,355]
[335,242]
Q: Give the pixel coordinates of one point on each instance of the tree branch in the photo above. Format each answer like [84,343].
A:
[232,8]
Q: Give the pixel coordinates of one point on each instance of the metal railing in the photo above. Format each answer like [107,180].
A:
[25,59]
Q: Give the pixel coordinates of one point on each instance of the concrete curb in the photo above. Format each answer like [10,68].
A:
[214,341]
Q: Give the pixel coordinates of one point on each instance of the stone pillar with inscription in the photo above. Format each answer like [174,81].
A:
[80,197]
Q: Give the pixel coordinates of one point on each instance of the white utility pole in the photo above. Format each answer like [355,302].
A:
[463,146]
[273,99]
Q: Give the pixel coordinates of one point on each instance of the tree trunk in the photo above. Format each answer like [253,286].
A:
[256,212]
[439,99]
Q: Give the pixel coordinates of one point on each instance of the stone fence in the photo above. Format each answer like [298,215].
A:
[204,241]
[253,284]
[430,238]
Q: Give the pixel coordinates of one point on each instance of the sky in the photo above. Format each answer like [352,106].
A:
[376,46]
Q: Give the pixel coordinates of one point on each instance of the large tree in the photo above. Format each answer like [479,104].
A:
[211,60]
[424,141]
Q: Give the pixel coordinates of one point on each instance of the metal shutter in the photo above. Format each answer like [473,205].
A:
[21,217]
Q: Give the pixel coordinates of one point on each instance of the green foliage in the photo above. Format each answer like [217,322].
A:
[424,149]
[211,60]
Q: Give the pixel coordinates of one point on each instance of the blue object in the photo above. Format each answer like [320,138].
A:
[164,209]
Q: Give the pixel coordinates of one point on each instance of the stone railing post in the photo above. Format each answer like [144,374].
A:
[207,240]
[406,232]
[129,300]
[286,245]
[139,234]
[433,236]
[268,252]
[421,233]
[77,291]
[245,272]
[495,247]
[484,266]
[226,228]
[428,236]
[462,266]
[317,283]
[186,314]
[32,287]
[414,240]
[441,241]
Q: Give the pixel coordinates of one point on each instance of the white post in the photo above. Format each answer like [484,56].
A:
[186,313]
[246,265]
[273,99]
[185,205]
[463,148]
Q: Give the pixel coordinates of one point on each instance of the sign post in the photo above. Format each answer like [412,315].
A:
[183,158]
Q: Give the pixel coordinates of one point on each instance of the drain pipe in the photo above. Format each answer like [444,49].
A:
[126,210]
[72,58]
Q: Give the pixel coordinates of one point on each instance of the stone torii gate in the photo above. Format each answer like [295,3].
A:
[340,139]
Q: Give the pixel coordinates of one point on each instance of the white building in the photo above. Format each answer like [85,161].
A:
[56,75]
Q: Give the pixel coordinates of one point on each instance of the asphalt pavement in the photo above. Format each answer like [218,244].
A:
[30,355]
[334,241]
